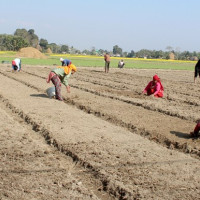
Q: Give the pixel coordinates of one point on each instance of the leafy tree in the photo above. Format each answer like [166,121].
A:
[12,43]
[64,48]
[85,51]
[169,48]
[18,43]
[54,48]
[33,38]
[21,33]
[117,50]
[157,54]
[77,51]
[93,51]
[131,54]
[44,44]
[144,53]
[29,36]
[101,51]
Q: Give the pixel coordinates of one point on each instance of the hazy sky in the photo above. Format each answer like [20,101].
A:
[130,24]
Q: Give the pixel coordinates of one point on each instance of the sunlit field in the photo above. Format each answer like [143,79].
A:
[98,61]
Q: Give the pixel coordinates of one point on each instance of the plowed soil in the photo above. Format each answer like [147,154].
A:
[105,141]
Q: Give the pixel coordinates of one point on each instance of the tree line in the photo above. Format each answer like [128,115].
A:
[27,38]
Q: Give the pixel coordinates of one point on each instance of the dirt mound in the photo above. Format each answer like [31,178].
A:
[49,51]
[30,52]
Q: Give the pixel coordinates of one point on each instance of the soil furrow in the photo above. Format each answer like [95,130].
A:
[138,100]
[120,158]
[29,166]
[116,190]
[151,135]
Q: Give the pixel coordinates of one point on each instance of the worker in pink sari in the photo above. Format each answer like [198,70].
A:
[154,87]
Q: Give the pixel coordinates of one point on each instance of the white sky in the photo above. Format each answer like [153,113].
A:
[130,24]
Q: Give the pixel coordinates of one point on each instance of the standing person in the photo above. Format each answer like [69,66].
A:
[16,64]
[60,75]
[196,130]
[121,64]
[197,70]
[65,62]
[107,62]
[154,87]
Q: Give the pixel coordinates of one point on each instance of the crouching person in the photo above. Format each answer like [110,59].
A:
[59,75]
[154,87]
[195,133]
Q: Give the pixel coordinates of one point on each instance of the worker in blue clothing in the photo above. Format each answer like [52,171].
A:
[65,62]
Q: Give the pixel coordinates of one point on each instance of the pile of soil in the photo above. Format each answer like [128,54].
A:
[49,51]
[30,52]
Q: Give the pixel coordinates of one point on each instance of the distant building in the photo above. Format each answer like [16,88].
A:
[195,58]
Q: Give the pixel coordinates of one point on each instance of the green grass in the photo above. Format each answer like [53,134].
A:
[99,62]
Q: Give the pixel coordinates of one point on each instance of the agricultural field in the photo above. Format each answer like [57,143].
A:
[97,61]
[105,141]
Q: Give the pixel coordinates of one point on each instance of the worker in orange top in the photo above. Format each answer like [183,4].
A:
[60,75]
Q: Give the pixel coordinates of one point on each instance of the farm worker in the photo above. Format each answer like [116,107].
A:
[65,62]
[107,62]
[16,64]
[154,87]
[196,130]
[60,75]
[121,64]
[197,70]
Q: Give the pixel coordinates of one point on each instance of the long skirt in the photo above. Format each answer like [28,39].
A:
[151,91]
[196,129]
[56,81]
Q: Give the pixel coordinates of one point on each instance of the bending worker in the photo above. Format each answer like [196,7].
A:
[195,133]
[60,75]
[197,70]
[65,62]
[16,64]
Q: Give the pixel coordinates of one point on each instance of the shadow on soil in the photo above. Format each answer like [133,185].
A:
[31,171]
[181,135]
[39,95]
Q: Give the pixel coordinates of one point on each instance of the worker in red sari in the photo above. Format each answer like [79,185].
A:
[154,87]
[195,133]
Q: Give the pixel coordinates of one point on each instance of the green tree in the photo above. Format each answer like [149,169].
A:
[86,52]
[64,48]
[93,51]
[44,44]
[131,54]
[18,43]
[12,43]
[33,38]
[54,47]
[28,36]
[117,50]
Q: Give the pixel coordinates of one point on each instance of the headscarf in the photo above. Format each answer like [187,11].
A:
[68,68]
[156,78]
[13,62]
[72,67]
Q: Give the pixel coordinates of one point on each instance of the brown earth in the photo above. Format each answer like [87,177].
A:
[30,52]
[105,141]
